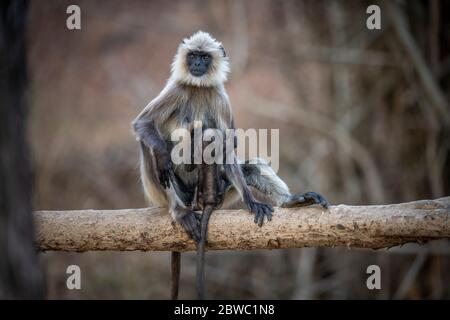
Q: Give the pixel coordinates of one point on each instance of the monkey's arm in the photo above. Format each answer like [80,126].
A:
[234,173]
[146,129]
[147,132]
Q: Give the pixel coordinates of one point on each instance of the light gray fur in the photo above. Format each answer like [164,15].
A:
[186,99]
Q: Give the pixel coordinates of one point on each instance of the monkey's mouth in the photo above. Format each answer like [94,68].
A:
[197,72]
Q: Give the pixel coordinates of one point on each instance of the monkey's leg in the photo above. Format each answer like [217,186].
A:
[260,176]
[179,199]
[305,199]
[189,220]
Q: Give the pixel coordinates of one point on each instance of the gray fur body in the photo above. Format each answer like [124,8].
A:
[185,99]
[195,92]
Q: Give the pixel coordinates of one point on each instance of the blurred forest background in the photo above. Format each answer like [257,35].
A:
[363,118]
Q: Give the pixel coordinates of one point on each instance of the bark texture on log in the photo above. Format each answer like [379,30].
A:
[151,229]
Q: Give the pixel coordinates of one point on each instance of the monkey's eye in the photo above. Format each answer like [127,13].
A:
[205,58]
[190,56]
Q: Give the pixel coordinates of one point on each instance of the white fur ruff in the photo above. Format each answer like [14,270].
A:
[218,70]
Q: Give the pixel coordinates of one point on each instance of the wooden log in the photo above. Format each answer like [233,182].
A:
[151,229]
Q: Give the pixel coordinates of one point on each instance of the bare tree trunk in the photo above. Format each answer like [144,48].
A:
[20,273]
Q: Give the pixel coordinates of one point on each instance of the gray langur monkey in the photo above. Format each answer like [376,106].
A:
[195,92]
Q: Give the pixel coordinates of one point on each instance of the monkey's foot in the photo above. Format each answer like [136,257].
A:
[306,199]
[260,210]
[190,222]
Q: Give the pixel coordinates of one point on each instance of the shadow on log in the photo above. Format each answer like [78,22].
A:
[151,229]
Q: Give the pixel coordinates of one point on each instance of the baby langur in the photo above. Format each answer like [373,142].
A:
[195,92]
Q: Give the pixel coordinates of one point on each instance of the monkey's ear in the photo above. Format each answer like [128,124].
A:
[223,51]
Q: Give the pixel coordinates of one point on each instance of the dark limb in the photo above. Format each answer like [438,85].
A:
[306,199]
[189,220]
[176,268]
[148,133]
[234,174]
[185,192]
[261,210]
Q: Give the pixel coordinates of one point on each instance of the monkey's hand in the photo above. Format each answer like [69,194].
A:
[164,166]
[260,210]
[306,199]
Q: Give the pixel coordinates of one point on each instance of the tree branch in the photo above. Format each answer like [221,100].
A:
[377,226]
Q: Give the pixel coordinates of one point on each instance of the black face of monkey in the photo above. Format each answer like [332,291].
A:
[198,62]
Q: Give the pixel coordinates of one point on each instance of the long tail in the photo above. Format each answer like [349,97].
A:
[200,281]
[175,267]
